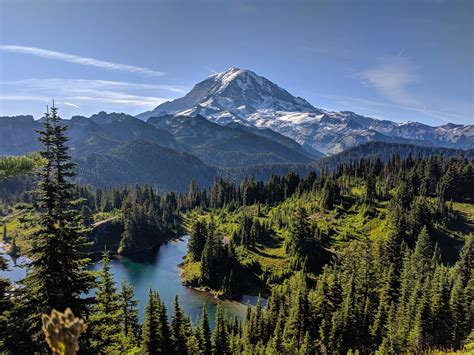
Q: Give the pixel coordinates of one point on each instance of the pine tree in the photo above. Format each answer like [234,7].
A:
[276,345]
[440,325]
[465,265]
[220,339]
[419,334]
[299,233]
[297,323]
[344,326]
[458,306]
[150,331]
[197,240]
[178,329]
[164,332]
[128,305]
[57,277]
[106,328]
[370,190]
[204,334]
[422,256]
[328,195]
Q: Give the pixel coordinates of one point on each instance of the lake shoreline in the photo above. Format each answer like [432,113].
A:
[96,255]
[234,297]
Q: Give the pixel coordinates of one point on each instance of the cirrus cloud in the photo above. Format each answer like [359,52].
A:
[393,79]
[71,58]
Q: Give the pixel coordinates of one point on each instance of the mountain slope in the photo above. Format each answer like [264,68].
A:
[143,162]
[98,133]
[242,96]
[17,135]
[215,144]
[227,146]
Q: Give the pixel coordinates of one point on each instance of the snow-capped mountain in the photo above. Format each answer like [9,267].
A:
[242,96]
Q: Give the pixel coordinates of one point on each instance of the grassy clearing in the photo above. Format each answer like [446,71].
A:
[190,272]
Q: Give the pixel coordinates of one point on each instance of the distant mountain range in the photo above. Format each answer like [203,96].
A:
[233,124]
[166,152]
[244,97]
[224,146]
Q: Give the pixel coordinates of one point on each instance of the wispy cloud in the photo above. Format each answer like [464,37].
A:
[78,93]
[393,79]
[398,80]
[20,97]
[66,84]
[70,104]
[114,97]
[71,58]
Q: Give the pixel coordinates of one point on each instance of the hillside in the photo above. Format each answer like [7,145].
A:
[144,162]
[227,146]
[265,258]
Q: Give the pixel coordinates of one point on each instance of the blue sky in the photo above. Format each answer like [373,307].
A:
[405,60]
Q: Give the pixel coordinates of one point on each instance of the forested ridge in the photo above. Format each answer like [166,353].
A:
[373,256]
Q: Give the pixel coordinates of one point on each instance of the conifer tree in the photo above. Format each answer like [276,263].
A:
[299,233]
[197,239]
[297,323]
[422,256]
[220,338]
[276,345]
[164,333]
[178,329]
[128,305]
[57,278]
[458,306]
[150,330]
[370,190]
[204,334]
[106,313]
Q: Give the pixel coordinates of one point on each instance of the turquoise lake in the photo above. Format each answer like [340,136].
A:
[159,270]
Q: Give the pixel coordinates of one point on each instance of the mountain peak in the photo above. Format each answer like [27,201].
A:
[231,74]
[234,95]
[230,70]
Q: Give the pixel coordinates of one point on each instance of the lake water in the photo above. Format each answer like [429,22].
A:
[158,270]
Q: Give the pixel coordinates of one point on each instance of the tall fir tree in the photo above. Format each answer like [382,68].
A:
[150,330]
[128,305]
[164,331]
[58,277]
[106,329]
[197,239]
[204,334]
[178,329]
[220,337]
